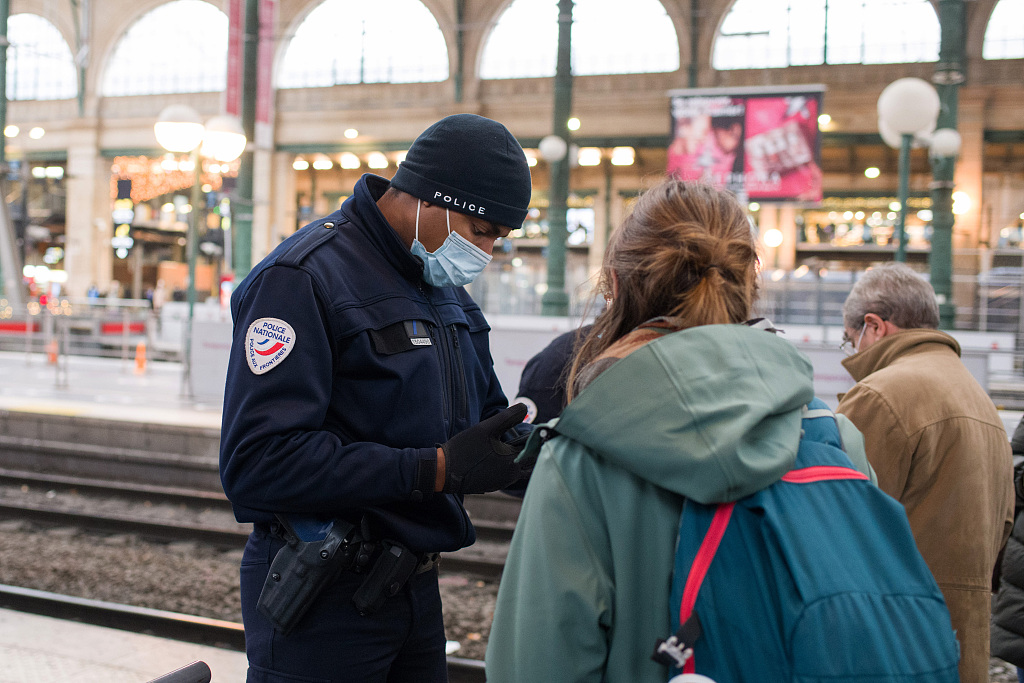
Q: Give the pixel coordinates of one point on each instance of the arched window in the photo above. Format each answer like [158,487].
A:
[606,39]
[39,62]
[1004,37]
[178,47]
[352,41]
[776,33]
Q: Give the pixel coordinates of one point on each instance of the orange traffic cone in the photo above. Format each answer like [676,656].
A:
[140,358]
[51,352]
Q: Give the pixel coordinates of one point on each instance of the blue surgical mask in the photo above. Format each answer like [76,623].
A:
[456,262]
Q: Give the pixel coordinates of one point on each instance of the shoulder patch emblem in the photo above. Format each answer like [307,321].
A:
[267,343]
[531,407]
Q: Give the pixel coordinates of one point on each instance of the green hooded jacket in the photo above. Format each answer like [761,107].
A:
[710,413]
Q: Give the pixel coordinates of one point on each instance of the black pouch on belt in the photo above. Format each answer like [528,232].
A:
[389,573]
[301,569]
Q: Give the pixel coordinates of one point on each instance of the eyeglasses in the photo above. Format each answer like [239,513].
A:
[848,347]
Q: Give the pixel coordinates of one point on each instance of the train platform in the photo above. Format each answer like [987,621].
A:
[102,388]
[38,649]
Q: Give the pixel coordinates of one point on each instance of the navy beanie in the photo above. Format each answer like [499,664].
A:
[470,164]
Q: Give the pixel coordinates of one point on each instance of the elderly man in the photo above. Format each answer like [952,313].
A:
[936,442]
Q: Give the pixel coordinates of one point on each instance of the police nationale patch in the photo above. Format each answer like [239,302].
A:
[267,343]
[531,407]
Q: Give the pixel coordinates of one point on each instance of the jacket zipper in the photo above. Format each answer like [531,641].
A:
[459,389]
[444,358]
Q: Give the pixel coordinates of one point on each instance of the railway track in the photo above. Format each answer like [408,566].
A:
[485,559]
[163,624]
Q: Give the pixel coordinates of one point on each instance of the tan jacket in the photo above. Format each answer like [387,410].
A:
[938,446]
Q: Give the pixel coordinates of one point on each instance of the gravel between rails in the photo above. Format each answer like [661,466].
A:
[192,578]
[180,577]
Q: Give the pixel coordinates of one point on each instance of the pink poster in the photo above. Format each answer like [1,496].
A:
[763,147]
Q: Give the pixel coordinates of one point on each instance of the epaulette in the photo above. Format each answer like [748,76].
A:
[314,235]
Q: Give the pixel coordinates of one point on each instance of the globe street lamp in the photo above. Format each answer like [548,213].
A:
[180,129]
[907,107]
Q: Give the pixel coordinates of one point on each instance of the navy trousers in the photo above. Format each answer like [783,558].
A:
[402,642]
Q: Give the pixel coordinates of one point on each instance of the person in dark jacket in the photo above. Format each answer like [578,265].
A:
[1007,639]
[361,400]
[542,384]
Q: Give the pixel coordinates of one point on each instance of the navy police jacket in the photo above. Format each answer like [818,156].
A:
[346,370]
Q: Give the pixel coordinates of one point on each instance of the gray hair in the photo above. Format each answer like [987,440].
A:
[893,292]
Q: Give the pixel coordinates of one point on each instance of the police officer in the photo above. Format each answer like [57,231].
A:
[361,388]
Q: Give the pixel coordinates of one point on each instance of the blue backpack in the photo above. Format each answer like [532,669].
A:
[813,579]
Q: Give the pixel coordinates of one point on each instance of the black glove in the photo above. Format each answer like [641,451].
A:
[477,461]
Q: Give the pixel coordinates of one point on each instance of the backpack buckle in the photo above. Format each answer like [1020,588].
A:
[672,652]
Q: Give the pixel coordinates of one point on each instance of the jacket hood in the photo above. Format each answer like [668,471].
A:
[882,353]
[712,412]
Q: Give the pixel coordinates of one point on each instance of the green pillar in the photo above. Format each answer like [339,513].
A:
[904,190]
[949,74]
[555,300]
[460,48]
[243,205]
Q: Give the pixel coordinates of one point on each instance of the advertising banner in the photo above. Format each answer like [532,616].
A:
[761,143]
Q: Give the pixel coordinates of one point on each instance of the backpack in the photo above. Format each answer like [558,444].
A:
[815,578]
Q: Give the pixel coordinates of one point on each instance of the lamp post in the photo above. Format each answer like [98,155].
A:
[180,129]
[907,107]
[555,300]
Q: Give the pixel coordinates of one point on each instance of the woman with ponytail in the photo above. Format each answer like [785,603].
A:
[672,396]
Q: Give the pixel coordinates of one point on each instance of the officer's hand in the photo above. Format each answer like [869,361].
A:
[476,460]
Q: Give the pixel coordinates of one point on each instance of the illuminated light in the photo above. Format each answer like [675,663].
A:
[540,288]
[36,133]
[824,120]
[169,163]
[348,160]
[182,241]
[187,166]
[179,128]
[400,156]
[377,160]
[187,208]
[773,238]
[553,148]
[223,138]
[351,133]
[802,270]
[122,253]
[623,156]
[872,172]
[859,215]
[925,214]
[589,156]
[300,164]
[754,206]
[517,262]
[778,275]
[573,123]
[207,188]
[876,214]
[214,168]
[891,215]
[38,172]
[1021,216]
[11,131]
[847,215]
[531,157]
[894,206]
[322,163]
[29,271]
[167,208]
[961,203]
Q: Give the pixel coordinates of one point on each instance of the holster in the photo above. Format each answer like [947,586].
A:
[389,573]
[301,570]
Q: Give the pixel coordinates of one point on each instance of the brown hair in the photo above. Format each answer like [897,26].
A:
[685,251]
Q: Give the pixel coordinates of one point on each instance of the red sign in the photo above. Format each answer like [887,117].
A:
[236,35]
[763,145]
[265,61]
